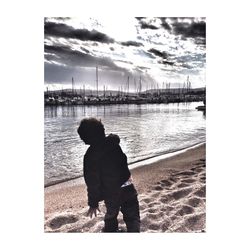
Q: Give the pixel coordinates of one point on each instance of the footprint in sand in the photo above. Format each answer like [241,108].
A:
[154,216]
[153,226]
[181,193]
[152,204]
[165,225]
[173,218]
[59,221]
[166,209]
[194,222]
[172,179]
[158,188]
[185,210]
[194,202]
[142,206]
[203,179]
[152,210]
[202,174]
[181,229]
[146,200]
[166,183]
[189,180]
[199,170]
[145,221]
[166,198]
[182,185]
[199,164]
[153,193]
[201,192]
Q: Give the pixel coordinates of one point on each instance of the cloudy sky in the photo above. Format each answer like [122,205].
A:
[159,50]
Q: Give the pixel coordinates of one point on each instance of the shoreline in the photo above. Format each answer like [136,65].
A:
[171,192]
[139,163]
[162,156]
[123,101]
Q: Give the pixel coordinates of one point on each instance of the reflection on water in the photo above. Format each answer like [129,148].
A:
[145,131]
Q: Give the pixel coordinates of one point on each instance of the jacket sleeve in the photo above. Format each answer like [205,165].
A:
[93,182]
[122,162]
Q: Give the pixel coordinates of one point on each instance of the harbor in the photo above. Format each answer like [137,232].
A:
[64,97]
[166,94]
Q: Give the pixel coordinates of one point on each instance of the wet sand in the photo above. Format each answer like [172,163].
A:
[171,192]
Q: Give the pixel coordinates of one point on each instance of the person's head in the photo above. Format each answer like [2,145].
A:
[91,131]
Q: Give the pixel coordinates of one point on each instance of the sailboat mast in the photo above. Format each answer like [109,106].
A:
[96,80]
[128,85]
[72,86]
[140,86]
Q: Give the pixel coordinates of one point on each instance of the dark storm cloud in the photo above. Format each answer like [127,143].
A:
[180,18]
[186,27]
[132,43]
[163,55]
[164,24]
[167,62]
[65,31]
[156,52]
[139,18]
[145,25]
[67,56]
[195,30]
[56,49]
[85,50]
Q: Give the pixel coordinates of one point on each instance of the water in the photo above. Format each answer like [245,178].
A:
[145,131]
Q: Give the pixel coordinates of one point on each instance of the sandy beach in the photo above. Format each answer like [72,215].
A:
[171,192]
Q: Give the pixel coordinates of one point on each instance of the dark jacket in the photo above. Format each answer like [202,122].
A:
[105,169]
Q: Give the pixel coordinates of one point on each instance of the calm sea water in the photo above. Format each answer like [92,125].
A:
[145,131]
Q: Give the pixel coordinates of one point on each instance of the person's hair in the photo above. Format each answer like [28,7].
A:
[91,130]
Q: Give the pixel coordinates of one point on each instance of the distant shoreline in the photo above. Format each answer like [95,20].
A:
[77,97]
[71,103]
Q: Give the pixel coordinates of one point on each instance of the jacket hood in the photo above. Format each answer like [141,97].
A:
[113,139]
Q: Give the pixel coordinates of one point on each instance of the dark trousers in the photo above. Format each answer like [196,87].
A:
[126,201]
